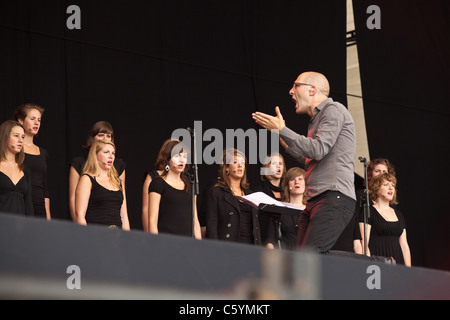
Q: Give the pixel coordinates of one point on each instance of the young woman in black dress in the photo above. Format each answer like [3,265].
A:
[170,199]
[228,218]
[99,197]
[351,238]
[272,175]
[386,229]
[29,116]
[149,176]
[101,130]
[15,180]
[293,192]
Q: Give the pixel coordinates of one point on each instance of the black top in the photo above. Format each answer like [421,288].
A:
[284,226]
[37,164]
[175,208]
[268,188]
[104,205]
[245,223]
[16,198]
[152,173]
[265,220]
[78,164]
[289,231]
[223,216]
[385,235]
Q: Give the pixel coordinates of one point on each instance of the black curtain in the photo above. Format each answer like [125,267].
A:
[150,67]
[405,73]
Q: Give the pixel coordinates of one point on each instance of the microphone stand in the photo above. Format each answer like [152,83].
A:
[194,180]
[366,203]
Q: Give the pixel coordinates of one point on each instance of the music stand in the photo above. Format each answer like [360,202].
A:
[276,212]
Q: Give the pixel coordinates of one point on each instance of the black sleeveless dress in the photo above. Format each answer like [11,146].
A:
[104,205]
[37,164]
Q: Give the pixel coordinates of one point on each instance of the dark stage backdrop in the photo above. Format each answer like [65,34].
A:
[150,67]
[405,72]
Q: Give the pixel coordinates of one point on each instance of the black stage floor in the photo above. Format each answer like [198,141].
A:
[60,260]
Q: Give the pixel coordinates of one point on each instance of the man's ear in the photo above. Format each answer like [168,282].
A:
[312,90]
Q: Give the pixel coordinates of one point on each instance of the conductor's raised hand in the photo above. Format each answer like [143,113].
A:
[270,122]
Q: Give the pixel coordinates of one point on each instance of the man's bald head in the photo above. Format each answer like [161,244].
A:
[318,80]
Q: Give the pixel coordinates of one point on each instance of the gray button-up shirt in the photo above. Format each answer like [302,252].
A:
[328,151]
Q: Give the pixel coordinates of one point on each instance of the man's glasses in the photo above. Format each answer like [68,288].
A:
[296,84]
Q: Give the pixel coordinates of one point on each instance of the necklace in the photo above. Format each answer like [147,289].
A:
[300,205]
[236,193]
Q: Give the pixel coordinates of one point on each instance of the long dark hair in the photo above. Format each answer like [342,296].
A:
[172,148]
[5,132]
[227,158]
[98,127]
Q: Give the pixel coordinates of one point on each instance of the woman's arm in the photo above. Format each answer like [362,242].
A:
[45,184]
[124,213]
[368,228]
[82,195]
[123,209]
[197,229]
[154,199]
[74,177]
[47,208]
[357,247]
[405,248]
[145,207]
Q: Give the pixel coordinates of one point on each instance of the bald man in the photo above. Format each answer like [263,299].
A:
[327,153]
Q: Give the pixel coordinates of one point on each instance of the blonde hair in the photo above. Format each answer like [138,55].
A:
[93,169]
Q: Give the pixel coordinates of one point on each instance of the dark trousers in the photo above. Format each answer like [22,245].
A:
[323,220]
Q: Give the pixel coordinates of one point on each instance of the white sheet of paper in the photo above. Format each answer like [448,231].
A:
[260,197]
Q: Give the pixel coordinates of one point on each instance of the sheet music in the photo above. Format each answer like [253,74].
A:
[260,197]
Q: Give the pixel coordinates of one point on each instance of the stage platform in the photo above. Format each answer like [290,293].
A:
[61,260]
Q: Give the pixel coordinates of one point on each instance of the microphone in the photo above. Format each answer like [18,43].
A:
[361,159]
